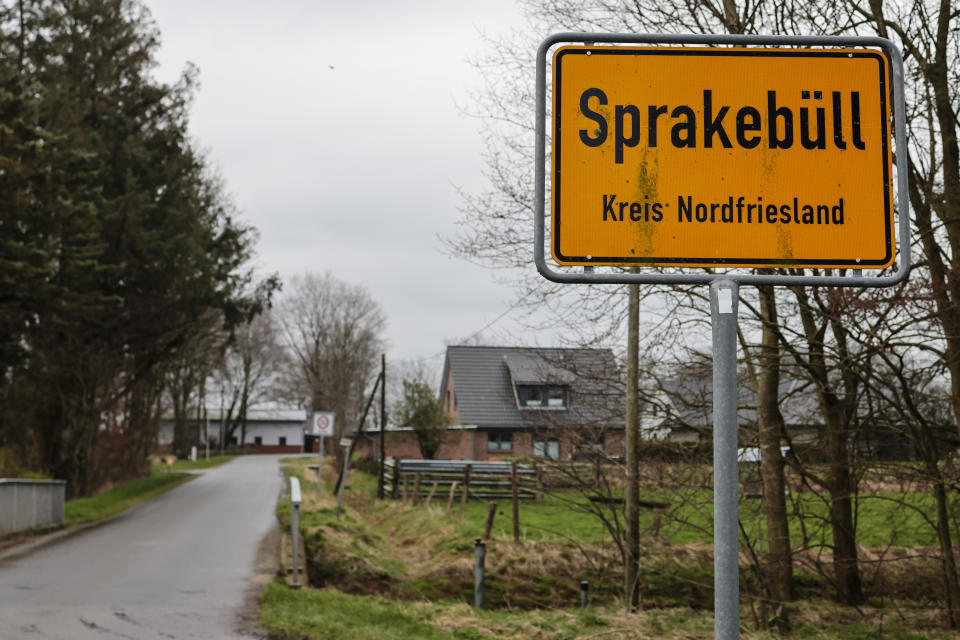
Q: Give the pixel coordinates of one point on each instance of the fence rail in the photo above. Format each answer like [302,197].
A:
[31,504]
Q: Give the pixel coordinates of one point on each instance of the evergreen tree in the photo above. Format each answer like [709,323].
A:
[124,240]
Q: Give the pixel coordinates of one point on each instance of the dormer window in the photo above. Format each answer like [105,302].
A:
[530,396]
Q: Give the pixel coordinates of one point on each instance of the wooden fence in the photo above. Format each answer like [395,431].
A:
[419,479]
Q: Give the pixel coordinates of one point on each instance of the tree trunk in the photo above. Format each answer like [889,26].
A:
[845,561]
[770,426]
[947,561]
[779,570]
[242,418]
[631,589]
[179,422]
[839,481]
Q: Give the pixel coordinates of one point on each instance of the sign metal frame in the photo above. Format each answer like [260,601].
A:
[588,274]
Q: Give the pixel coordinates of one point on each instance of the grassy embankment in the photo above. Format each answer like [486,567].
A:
[109,503]
[391,570]
[187,465]
[120,498]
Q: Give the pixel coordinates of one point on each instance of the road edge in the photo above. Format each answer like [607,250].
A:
[35,543]
[265,570]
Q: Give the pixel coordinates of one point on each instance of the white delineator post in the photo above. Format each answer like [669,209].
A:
[295,500]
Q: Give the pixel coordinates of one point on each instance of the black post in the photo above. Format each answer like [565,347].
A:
[396,476]
[514,481]
[584,593]
[353,443]
[480,551]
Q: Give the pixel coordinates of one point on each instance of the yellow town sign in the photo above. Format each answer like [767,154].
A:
[684,156]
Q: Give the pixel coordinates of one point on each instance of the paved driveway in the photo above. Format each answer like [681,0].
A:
[175,568]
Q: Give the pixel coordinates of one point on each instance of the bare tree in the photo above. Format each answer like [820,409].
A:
[247,372]
[333,333]
[496,223]
[909,394]
[764,370]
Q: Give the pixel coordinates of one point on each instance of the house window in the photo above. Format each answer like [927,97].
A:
[597,446]
[257,440]
[500,441]
[540,396]
[546,449]
[283,441]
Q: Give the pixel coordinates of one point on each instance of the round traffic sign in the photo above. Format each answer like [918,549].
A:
[323,423]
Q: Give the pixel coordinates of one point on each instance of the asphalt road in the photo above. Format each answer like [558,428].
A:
[175,568]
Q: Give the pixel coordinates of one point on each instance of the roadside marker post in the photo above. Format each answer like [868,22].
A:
[646,172]
[295,500]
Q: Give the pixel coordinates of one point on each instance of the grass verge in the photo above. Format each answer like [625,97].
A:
[187,465]
[310,614]
[393,569]
[110,503]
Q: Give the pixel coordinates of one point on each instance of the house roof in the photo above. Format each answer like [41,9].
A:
[484,380]
[691,398]
[532,368]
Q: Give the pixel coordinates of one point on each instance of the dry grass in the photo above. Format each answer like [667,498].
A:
[422,560]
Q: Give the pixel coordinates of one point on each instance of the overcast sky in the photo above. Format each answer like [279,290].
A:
[338,128]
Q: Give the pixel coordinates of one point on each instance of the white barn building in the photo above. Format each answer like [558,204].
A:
[270,430]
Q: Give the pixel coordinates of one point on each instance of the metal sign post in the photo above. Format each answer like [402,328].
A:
[723,311]
[319,466]
[323,422]
[636,181]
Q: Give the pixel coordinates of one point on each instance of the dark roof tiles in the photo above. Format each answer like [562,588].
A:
[484,379]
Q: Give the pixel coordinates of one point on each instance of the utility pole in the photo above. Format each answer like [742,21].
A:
[383,423]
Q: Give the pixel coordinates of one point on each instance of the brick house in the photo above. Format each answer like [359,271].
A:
[562,404]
